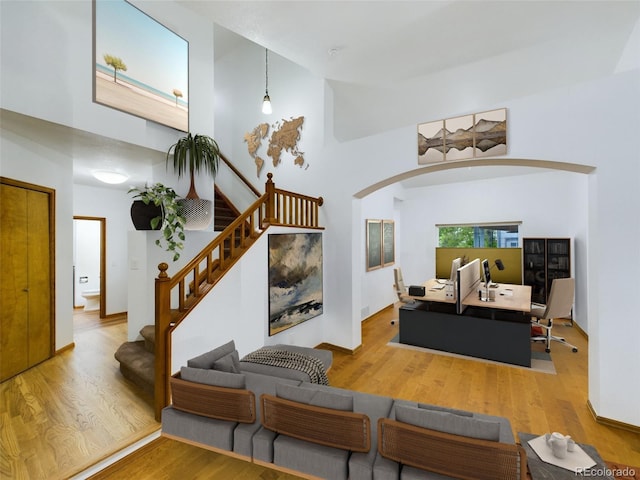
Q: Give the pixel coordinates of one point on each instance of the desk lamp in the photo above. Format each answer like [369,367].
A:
[497,263]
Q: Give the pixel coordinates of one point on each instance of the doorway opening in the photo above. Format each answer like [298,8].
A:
[89,265]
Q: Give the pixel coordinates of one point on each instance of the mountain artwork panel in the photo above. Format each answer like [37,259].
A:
[458,138]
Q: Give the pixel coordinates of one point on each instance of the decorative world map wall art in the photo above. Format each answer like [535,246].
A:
[469,136]
[285,135]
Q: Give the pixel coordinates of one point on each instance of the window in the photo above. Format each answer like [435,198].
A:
[478,236]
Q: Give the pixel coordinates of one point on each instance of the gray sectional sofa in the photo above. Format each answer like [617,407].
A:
[274,416]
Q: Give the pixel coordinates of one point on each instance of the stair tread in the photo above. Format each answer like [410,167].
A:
[134,357]
[148,332]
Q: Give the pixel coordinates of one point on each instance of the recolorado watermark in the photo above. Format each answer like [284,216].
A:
[606,472]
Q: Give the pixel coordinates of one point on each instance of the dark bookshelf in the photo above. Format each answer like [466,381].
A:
[544,259]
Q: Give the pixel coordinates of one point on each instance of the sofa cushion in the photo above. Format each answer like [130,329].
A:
[295,393]
[207,359]
[449,423]
[229,363]
[213,377]
[318,460]
[438,408]
[337,401]
[200,430]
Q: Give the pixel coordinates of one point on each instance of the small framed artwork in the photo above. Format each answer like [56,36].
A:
[490,133]
[388,243]
[458,139]
[374,244]
[431,142]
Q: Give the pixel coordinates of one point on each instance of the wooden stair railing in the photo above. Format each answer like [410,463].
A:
[187,287]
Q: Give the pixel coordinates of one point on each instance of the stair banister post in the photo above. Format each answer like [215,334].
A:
[162,324]
[270,190]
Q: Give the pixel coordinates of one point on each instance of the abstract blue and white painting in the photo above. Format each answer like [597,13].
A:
[295,279]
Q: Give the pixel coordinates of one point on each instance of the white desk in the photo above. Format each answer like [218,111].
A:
[507,297]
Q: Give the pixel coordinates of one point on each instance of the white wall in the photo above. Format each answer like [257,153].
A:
[237,309]
[55,84]
[26,160]
[377,285]
[114,206]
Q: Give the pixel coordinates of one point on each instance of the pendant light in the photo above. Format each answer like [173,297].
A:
[266,101]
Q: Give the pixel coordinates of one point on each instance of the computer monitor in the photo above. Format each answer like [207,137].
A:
[486,272]
[455,265]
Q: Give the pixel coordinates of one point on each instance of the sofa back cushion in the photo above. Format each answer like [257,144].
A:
[213,377]
[325,426]
[448,423]
[207,359]
[452,455]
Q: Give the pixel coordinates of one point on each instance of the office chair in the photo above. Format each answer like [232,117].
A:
[559,305]
[399,287]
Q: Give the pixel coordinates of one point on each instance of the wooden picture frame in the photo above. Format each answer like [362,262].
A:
[374,244]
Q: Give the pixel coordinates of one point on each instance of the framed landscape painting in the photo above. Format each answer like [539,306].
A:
[295,279]
[140,66]
[374,244]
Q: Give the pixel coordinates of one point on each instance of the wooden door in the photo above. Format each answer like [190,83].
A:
[26,314]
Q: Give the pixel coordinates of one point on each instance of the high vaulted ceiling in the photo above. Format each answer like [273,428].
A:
[394,63]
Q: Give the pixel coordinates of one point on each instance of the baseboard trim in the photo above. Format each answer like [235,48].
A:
[370,317]
[610,422]
[71,346]
[330,346]
[580,330]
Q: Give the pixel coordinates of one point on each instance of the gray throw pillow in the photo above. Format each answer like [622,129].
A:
[229,363]
[206,359]
[213,377]
[295,394]
[449,423]
[337,401]
[437,408]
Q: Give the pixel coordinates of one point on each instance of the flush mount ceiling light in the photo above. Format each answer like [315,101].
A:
[266,101]
[110,176]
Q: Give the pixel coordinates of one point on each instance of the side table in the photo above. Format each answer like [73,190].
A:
[541,470]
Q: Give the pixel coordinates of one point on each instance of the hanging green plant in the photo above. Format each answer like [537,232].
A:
[171,222]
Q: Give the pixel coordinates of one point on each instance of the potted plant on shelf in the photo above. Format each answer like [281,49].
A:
[158,208]
[195,153]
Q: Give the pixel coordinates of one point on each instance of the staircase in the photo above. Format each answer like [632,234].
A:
[224,211]
[177,295]
[137,359]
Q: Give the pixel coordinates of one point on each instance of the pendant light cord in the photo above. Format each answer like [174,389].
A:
[266,71]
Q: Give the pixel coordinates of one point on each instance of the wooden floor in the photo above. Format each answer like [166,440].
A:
[69,412]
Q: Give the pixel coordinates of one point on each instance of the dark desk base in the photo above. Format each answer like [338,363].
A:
[505,338]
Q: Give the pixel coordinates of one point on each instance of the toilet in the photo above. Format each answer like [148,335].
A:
[92,300]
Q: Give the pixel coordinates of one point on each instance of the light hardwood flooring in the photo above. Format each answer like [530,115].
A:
[72,410]
[75,409]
